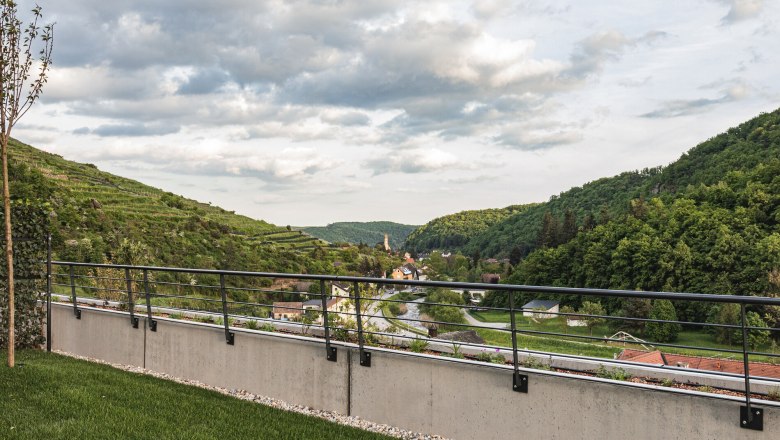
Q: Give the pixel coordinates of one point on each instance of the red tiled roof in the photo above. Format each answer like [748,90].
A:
[700,363]
[291,308]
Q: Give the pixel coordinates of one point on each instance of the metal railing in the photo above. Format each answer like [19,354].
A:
[244,299]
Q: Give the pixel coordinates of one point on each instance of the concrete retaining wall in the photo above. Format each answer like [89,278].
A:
[457,399]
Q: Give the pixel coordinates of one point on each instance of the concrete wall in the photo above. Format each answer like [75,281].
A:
[456,399]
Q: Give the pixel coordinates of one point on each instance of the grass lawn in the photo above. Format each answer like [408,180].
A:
[549,344]
[56,397]
[492,316]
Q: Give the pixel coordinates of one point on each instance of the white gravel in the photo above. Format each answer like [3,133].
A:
[353,421]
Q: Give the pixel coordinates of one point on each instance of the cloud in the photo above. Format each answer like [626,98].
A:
[282,166]
[414,161]
[740,10]
[129,130]
[675,108]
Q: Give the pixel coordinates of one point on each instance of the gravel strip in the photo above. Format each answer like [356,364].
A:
[341,419]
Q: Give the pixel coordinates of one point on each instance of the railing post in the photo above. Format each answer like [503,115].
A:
[76,310]
[152,322]
[48,292]
[519,381]
[365,357]
[749,416]
[130,302]
[230,338]
[329,351]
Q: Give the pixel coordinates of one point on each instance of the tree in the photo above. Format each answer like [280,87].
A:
[569,227]
[635,308]
[515,256]
[17,95]
[663,309]
[592,308]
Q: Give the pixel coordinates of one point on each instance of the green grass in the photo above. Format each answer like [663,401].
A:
[548,344]
[49,396]
[493,316]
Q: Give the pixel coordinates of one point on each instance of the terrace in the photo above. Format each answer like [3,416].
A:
[375,363]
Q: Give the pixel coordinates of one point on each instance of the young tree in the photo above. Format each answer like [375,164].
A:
[23,73]
[592,308]
[663,309]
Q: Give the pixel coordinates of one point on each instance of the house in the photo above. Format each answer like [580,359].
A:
[287,311]
[491,261]
[339,290]
[406,272]
[541,309]
[699,363]
[338,306]
[491,278]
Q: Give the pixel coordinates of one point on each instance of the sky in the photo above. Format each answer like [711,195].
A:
[308,112]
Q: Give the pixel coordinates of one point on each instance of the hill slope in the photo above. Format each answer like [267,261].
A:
[100,217]
[456,230]
[362,232]
[739,149]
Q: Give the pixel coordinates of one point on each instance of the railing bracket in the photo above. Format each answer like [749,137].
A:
[365,359]
[153,325]
[751,420]
[231,338]
[520,383]
[134,321]
[332,354]
[77,312]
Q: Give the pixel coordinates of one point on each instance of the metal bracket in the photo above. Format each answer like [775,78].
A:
[756,422]
[153,325]
[231,338]
[332,354]
[134,322]
[365,359]
[520,383]
[77,312]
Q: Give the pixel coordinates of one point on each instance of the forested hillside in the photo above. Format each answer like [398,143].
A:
[708,223]
[453,231]
[100,217]
[369,233]
[739,149]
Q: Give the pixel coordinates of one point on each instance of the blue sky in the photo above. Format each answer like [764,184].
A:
[309,112]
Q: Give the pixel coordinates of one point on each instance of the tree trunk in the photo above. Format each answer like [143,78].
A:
[9,253]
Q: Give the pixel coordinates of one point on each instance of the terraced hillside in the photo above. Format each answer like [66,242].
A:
[103,217]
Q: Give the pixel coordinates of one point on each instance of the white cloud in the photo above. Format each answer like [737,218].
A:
[333,103]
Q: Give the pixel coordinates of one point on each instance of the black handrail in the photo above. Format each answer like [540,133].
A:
[751,417]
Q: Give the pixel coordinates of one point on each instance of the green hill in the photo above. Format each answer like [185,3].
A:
[369,233]
[456,230]
[739,149]
[100,217]
[708,223]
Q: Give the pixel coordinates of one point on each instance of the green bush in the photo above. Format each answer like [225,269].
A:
[418,345]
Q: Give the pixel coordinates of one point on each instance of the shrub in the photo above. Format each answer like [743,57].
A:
[614,374]
[252,324]
[418,345]
[268,327]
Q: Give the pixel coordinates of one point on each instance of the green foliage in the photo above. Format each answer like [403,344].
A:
[369,233]
[663,309]
[456,230]
[614,374]
[711,166]
[99,217]
[495,358]
[444,313]
[418,345]
[30,224]
[592,308]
